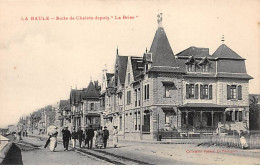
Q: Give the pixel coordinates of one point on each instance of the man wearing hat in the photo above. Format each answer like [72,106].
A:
[105,136]
[66,137]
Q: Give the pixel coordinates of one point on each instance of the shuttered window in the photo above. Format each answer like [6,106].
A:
[201,92]
[187,91]
[228,92]
[239,94]
[147,91]
[196,91]
[144,92]
[210,92]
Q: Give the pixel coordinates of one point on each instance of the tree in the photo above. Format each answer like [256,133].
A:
[254,117]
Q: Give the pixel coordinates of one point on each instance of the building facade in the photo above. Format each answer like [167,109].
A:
[190,91]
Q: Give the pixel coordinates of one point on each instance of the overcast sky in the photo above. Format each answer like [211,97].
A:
[41,60]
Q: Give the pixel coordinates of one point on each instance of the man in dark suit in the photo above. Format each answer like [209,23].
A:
[105,136]
[80,136]
[66,137]
[89,137]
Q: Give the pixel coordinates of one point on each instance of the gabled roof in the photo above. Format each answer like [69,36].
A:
[194,51]
[109,75]
[224,52]
[64,104]
[122,65]
[161,50]
[91,92]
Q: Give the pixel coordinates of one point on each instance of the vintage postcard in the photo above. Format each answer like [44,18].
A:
[111,82]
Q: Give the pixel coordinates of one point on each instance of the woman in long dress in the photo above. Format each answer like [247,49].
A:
[115,137]
[99,138]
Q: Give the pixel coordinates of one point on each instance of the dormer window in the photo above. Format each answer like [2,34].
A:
[191,68]
[191,64]
[205,64]
[205,68]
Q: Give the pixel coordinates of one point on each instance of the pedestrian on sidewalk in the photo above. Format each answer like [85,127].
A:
[115,137]
[99,137]
[63,140]
[105,136]
[80,136]
[66,137]
[74,137]
[89,137]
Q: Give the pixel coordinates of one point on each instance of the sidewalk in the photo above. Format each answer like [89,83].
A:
[163,153]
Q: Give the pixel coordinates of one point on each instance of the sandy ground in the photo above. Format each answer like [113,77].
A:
[159,154]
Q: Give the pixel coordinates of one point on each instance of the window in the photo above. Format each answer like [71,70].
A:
[196,91]
[146,92]
[229,115]
[189,91]
[135,97]
[238,115]
[205,68]
[91,106]
[139,97]
[128,78]
[146,67]
[191,67]
[167,91]
[205,91]
[234,92]
[128,97]
[120,123]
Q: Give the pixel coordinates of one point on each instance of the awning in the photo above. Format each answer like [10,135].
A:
[168,110]
[93,115]
[170,84]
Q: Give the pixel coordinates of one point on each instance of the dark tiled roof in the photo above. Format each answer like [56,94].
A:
[122,65]
[224,52]
[64,104]
[201,75]
[136,66]
[194,51]
[234,75]
[166,69]
[91,92]
[161,50]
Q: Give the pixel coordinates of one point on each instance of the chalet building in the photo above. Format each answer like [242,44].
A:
[85,106]
[189,91]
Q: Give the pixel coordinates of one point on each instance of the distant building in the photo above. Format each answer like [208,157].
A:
[12,128]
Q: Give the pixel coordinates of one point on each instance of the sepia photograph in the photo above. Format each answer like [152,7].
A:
[109,82]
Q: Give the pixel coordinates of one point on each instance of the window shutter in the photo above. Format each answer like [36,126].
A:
[148,91]
[201,92]
[228,92]
[239,88]
[144,92]
[129,97]
[196,91]
[187,91]
[210,92]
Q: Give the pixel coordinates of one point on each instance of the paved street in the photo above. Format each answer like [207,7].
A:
[148,153]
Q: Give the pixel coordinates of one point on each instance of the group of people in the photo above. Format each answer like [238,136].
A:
[87,137]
